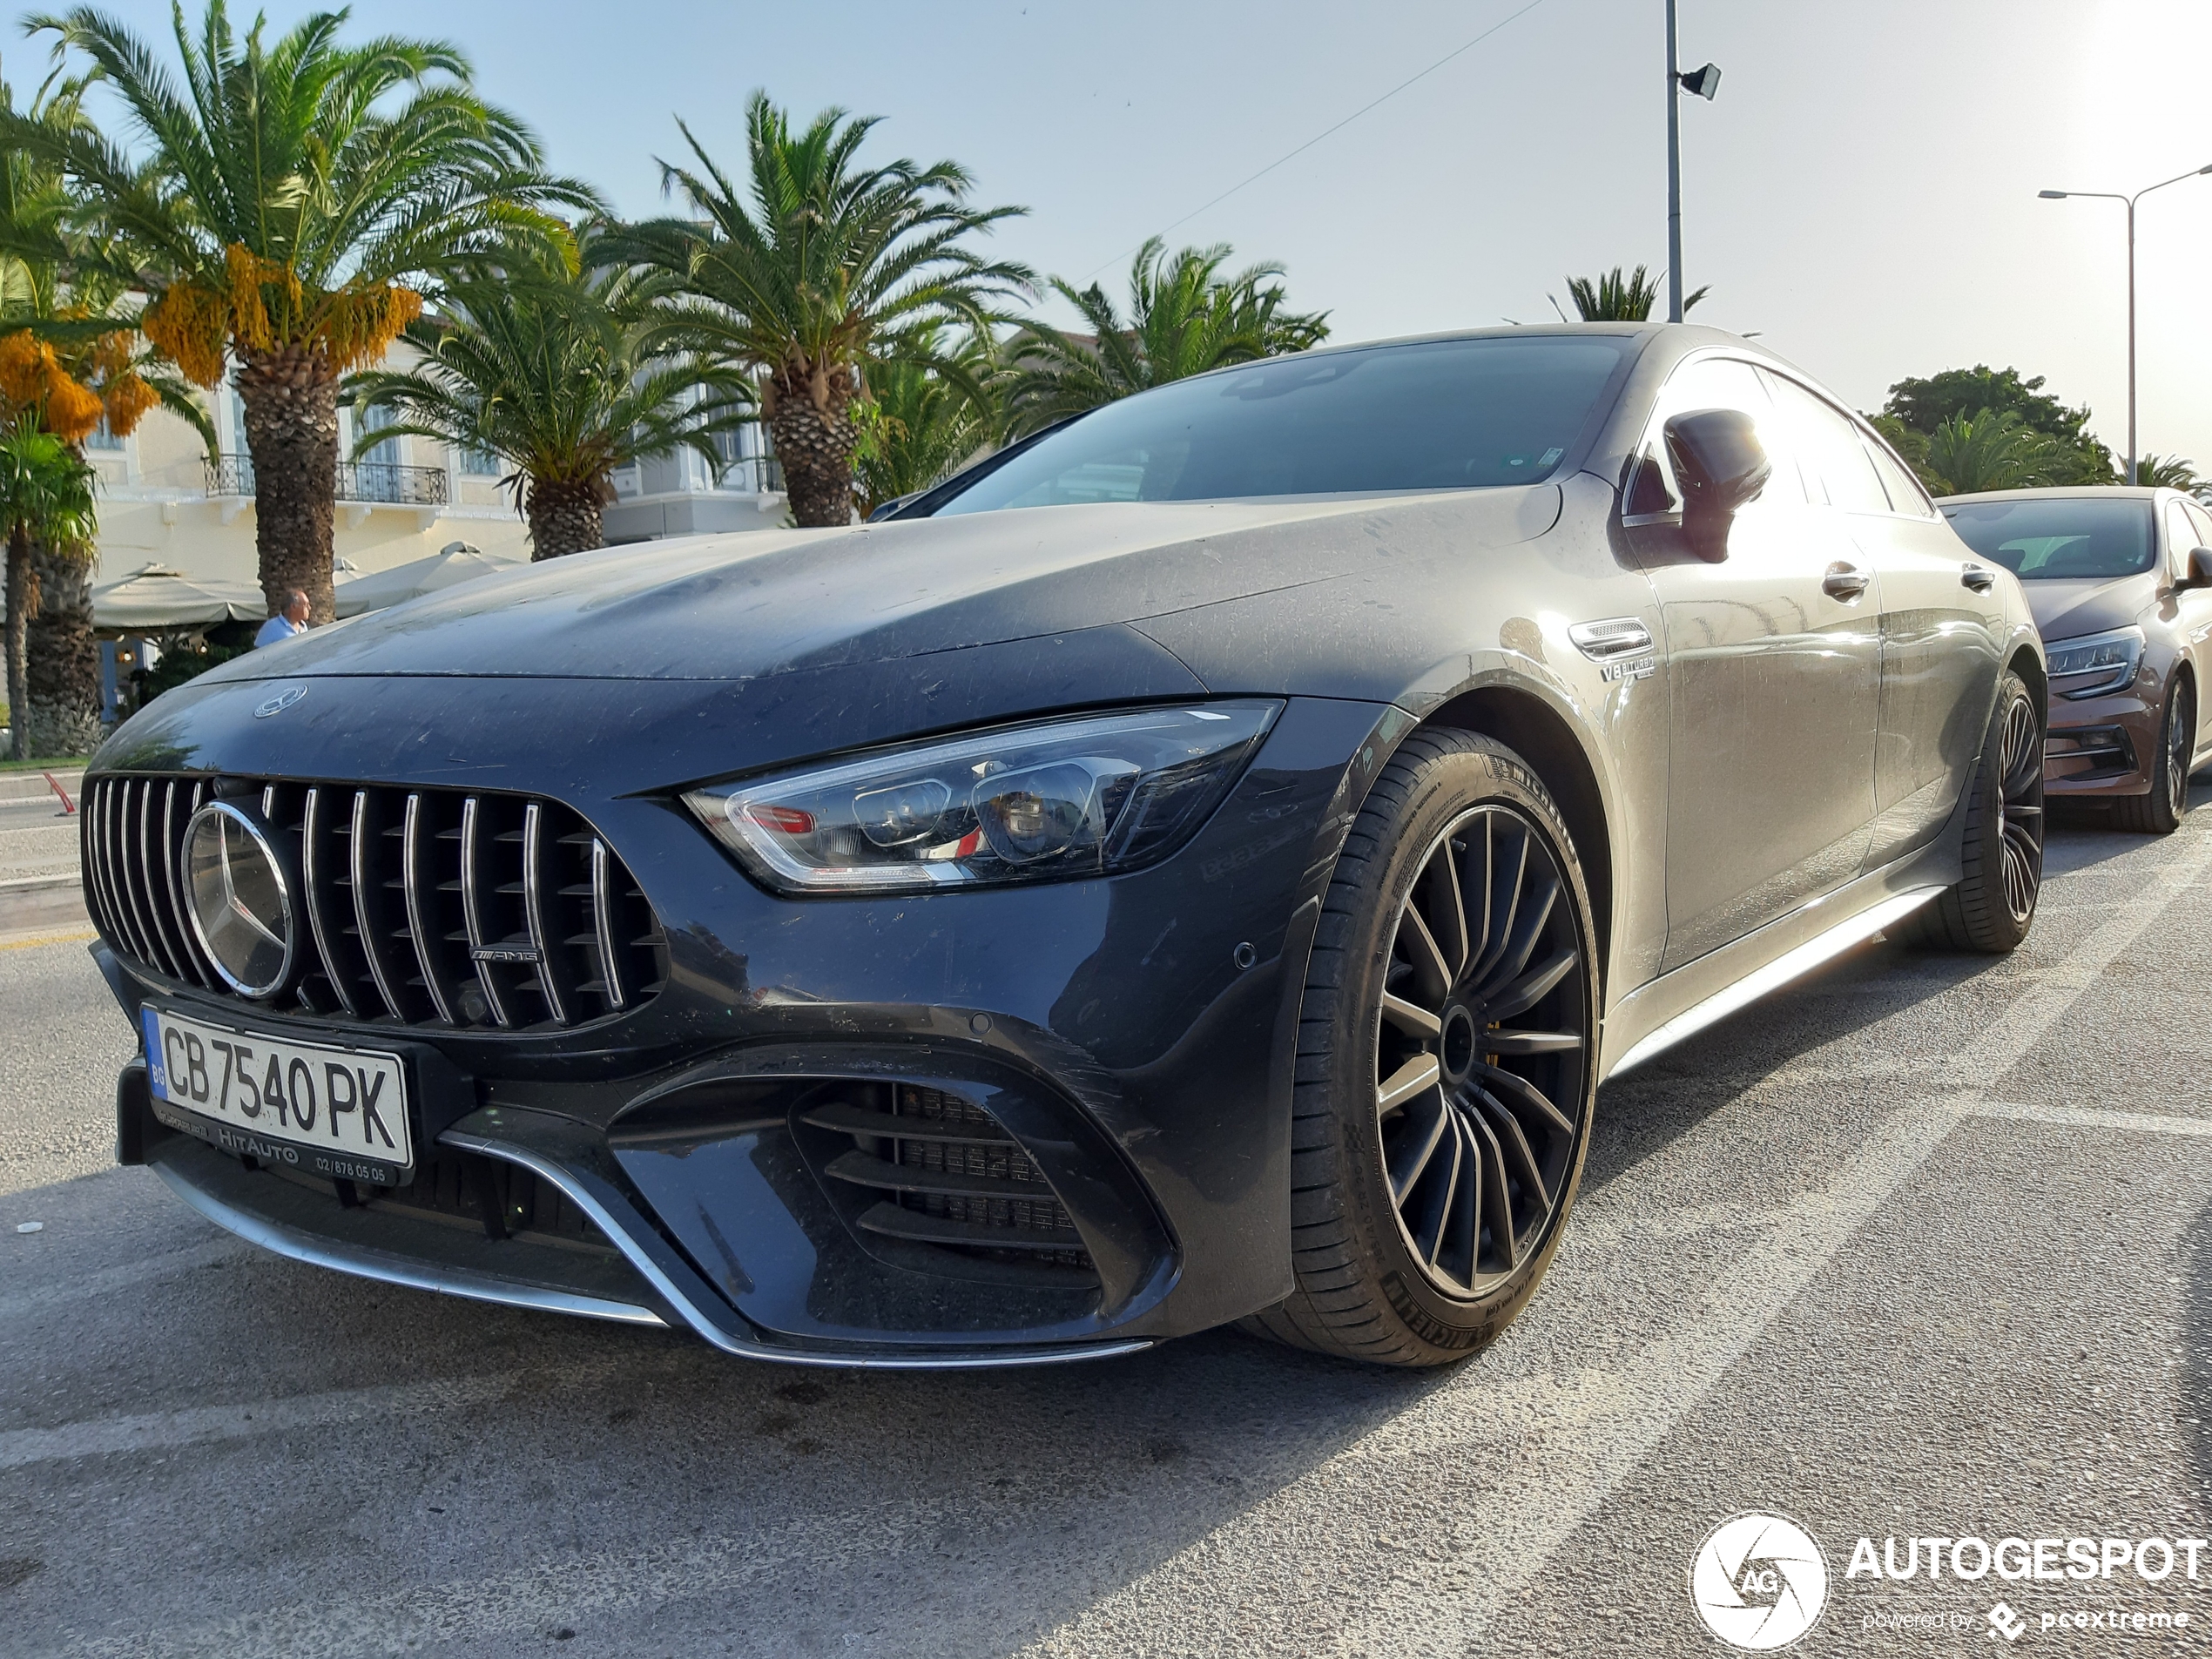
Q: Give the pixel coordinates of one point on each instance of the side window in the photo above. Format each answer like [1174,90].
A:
[1906,494]
[2202,519]
[2181,538]
[1707,383]
[1828,444]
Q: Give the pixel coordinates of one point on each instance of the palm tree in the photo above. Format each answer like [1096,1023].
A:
[45,495]
[1993,449]
[1616,298]
[1184,318]
[547,367]
[71,359]
[2166,472]
[816,272]
[924,424]
[293,196]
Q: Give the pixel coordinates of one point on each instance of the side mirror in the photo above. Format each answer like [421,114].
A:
[2200,574]
[1721,465]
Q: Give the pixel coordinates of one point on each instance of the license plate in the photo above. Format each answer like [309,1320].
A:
[341,1113]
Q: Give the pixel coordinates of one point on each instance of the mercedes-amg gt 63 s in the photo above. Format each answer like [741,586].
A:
[1196,866]
[2120,583]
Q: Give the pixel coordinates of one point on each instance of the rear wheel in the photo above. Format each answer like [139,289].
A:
[1446,1061]
[1993,906]
[2161,811]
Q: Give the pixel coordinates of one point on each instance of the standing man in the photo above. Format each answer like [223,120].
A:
[293,619]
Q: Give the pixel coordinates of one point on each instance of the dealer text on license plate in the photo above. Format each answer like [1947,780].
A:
[340,1113]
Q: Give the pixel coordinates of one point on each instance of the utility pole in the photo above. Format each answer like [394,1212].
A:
[2134,453]
[1704,83]
[1674,171]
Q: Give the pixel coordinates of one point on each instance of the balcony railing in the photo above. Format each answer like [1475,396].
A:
[762,475]
[373,482]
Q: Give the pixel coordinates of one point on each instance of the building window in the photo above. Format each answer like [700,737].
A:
[385,454]
[103,439]
[474,463]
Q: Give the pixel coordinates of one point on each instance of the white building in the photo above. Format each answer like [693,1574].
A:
[162,504]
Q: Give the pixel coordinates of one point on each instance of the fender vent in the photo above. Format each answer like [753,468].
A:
[950,1182]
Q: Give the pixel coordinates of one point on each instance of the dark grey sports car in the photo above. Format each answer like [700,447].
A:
[1196,866]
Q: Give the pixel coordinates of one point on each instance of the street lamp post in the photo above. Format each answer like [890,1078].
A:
[1704,81]
[2114,196]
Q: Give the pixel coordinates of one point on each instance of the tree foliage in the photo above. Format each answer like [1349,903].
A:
[286,204]
[2167,472]
[816,272]
[1993,449]
[2074,456]
[553,369]
[1184,318]
[45,496]
[71,357]
[1614,297]
[922,425]
[284,201]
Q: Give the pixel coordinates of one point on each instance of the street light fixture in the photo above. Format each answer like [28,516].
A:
[2114,196]
[1704,83]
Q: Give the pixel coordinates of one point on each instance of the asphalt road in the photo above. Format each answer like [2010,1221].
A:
[1920,1248]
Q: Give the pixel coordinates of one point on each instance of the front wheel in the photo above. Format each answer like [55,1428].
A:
[1446,1061]
[1994,905]
[2160,812]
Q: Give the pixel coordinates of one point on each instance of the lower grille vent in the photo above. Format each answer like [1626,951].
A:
[468,1190]
[506,1200]
[952,1180]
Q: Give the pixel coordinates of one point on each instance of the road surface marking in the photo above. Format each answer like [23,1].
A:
[1577,1452]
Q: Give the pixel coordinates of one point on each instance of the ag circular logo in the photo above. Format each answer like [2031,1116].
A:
[239,899]
[1758,1582]
[279,703]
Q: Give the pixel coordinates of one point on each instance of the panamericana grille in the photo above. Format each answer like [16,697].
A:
[421,906]
[953,1179]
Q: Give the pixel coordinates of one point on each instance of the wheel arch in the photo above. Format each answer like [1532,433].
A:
[1536,731]
[2029,666]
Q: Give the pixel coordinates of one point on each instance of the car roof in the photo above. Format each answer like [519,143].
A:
[2068,492]
[1691,333]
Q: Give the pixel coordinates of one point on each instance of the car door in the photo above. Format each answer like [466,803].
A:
[1942,624]
[2189,528]
[1773,676]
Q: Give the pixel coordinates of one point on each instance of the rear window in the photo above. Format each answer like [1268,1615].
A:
[2068,538]
[1441,414]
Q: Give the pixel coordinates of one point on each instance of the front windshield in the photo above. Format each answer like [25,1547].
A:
[1439,414]
[2063,538]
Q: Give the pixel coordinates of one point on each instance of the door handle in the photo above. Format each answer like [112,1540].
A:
[1844,582]
[1980,578]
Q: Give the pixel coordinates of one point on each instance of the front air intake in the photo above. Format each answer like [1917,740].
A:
[424,906]
[949,1183]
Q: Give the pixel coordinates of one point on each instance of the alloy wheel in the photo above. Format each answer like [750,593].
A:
[1484,1042]
[2180,749]
[2022,790]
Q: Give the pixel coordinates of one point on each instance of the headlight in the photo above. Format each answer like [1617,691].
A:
[2097,663]
[1068,797]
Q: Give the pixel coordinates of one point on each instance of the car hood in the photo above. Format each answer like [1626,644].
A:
[751,605]
[2069,610]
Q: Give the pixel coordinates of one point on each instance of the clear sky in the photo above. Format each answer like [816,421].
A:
[1863,191]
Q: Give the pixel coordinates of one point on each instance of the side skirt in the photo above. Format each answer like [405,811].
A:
[1767,976]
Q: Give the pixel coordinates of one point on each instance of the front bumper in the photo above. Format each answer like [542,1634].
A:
[1131,1036]
[2103,747]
